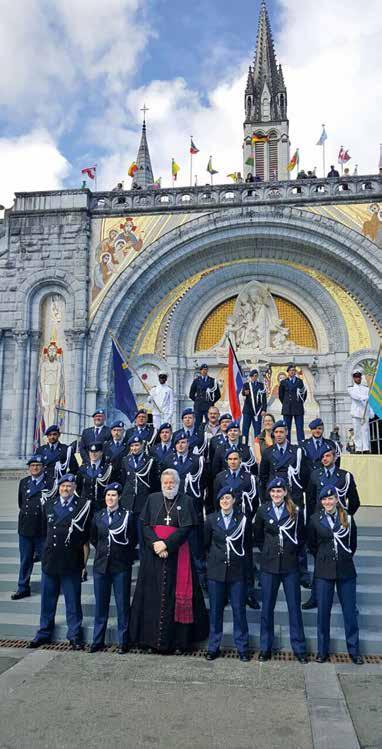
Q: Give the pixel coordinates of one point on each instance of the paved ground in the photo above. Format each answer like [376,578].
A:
[363,694]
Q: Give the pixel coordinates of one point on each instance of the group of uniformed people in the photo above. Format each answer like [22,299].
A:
[134,487]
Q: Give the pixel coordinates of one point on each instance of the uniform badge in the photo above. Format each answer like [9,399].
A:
[271,520]
[178,508]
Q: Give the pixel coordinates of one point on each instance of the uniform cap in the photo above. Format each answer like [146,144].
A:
[66,477]
[52,428]
[316,423]
[203,366]
[327,491]
[187,411]
[95,447]
[140,411]
[357,372]
[326,449]
[114,487]
[34,459]
[166,425]
[225,417]
[279,423]
[116,424]
[99,412]
[180,436]
[134,439]
[277,483]
[233,425]
[253,372]
[290,366]
[231,451]
[225,490]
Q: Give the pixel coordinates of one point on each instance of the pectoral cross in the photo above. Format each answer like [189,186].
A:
[168,519]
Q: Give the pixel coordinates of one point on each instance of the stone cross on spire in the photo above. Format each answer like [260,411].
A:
[143,177]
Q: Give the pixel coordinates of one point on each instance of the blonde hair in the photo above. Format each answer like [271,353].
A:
[290,505]
[343,517]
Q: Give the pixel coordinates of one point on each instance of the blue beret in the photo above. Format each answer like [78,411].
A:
[203,366]
[253,372]
[225,490]
[52,428]
[187,411]
[277,483]
[95,447]
[99,411]
[232,450]
[327,491]
[233,425]
[114,487]
[180,436]
[290,366]
[34,459]
[134,439]
[225,417]
[66,477]
[279,423]
[316,423]
[140,411]
[326,449]
[116,424]
[166,425]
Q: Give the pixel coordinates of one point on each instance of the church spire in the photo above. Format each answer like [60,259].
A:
[143,177]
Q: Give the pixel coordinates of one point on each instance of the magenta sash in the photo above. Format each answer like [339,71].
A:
[183,588]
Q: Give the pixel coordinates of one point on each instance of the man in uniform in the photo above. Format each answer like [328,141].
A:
[139,478]
[292,393]
[97,433]
[31,523]
[163,445]
[325,476]
[67,519]
[116,447]
[288,462]
[207,431]
[234,441]
[93,475]
[255,404]
[360,413]
[204,391]
[141,427]
[189,429]
[221,437]
[162,401]
[57,458]
[313,445]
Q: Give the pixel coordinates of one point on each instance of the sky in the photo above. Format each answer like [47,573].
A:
[76,73]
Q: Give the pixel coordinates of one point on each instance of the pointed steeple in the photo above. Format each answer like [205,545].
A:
[265,64]
[144,175]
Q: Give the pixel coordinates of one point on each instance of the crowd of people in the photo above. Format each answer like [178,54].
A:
[191,505]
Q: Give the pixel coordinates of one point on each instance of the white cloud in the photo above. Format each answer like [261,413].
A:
[31,162]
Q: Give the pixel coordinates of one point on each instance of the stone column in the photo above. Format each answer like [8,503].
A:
[32,391]
[21,340]
[2,347]
[74,390]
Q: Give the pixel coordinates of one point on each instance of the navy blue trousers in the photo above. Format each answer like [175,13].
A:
[50,591]
[270,584]
[121,584]
[236,592]
[196,541]
[299,421]
[200,417]
[346,590]
[248,421]
[29,546]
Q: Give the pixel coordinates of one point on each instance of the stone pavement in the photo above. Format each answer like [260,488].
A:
[53,700]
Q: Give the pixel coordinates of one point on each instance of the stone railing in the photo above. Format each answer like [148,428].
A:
[207,197]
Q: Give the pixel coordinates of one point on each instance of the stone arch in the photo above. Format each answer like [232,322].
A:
[277,233]
[31,297]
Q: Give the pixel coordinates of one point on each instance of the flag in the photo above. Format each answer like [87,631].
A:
[343,156]
[90,171]
[193,149]
[295,160]
[250,161]
[132,169]
[323,137]
[157,184]
[123,395]
[175,168]
[375,394]
[233,176]
[210,168]
[259,138]
[235,383]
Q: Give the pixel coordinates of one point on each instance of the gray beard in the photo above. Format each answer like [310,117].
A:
[169,493]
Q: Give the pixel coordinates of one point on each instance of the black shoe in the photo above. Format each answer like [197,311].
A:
[357,660]
[309,604]
[36,559]
[212,656]
[244,657]
[203,583]
[84,576]
[265,655]
[306,584]
[123,649]
[76,644]
[20,594]
[301,658]
[96,646]
[252,602]
[38,641]
[322,658]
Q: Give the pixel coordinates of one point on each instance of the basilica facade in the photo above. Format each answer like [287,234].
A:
[288,270]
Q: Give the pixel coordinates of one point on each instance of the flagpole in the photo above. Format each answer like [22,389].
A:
[372,382]
[323,156]
[95,175]
[191,162]
[135,373]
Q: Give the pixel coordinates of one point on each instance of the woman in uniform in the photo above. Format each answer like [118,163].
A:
[112,535]
[332,540]
[279,535]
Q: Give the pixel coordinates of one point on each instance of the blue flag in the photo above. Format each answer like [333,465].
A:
[123,395]
[323,137]
[375,395]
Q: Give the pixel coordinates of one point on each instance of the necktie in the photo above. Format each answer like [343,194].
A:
[328,473]
[94,467]
[34,482]
[281,451]
[181,460]
[188,432]
[164,448]
[51,448]
[96,432]
[111,515]
[117,444]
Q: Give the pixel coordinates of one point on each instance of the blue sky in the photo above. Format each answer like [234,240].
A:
[75,74]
